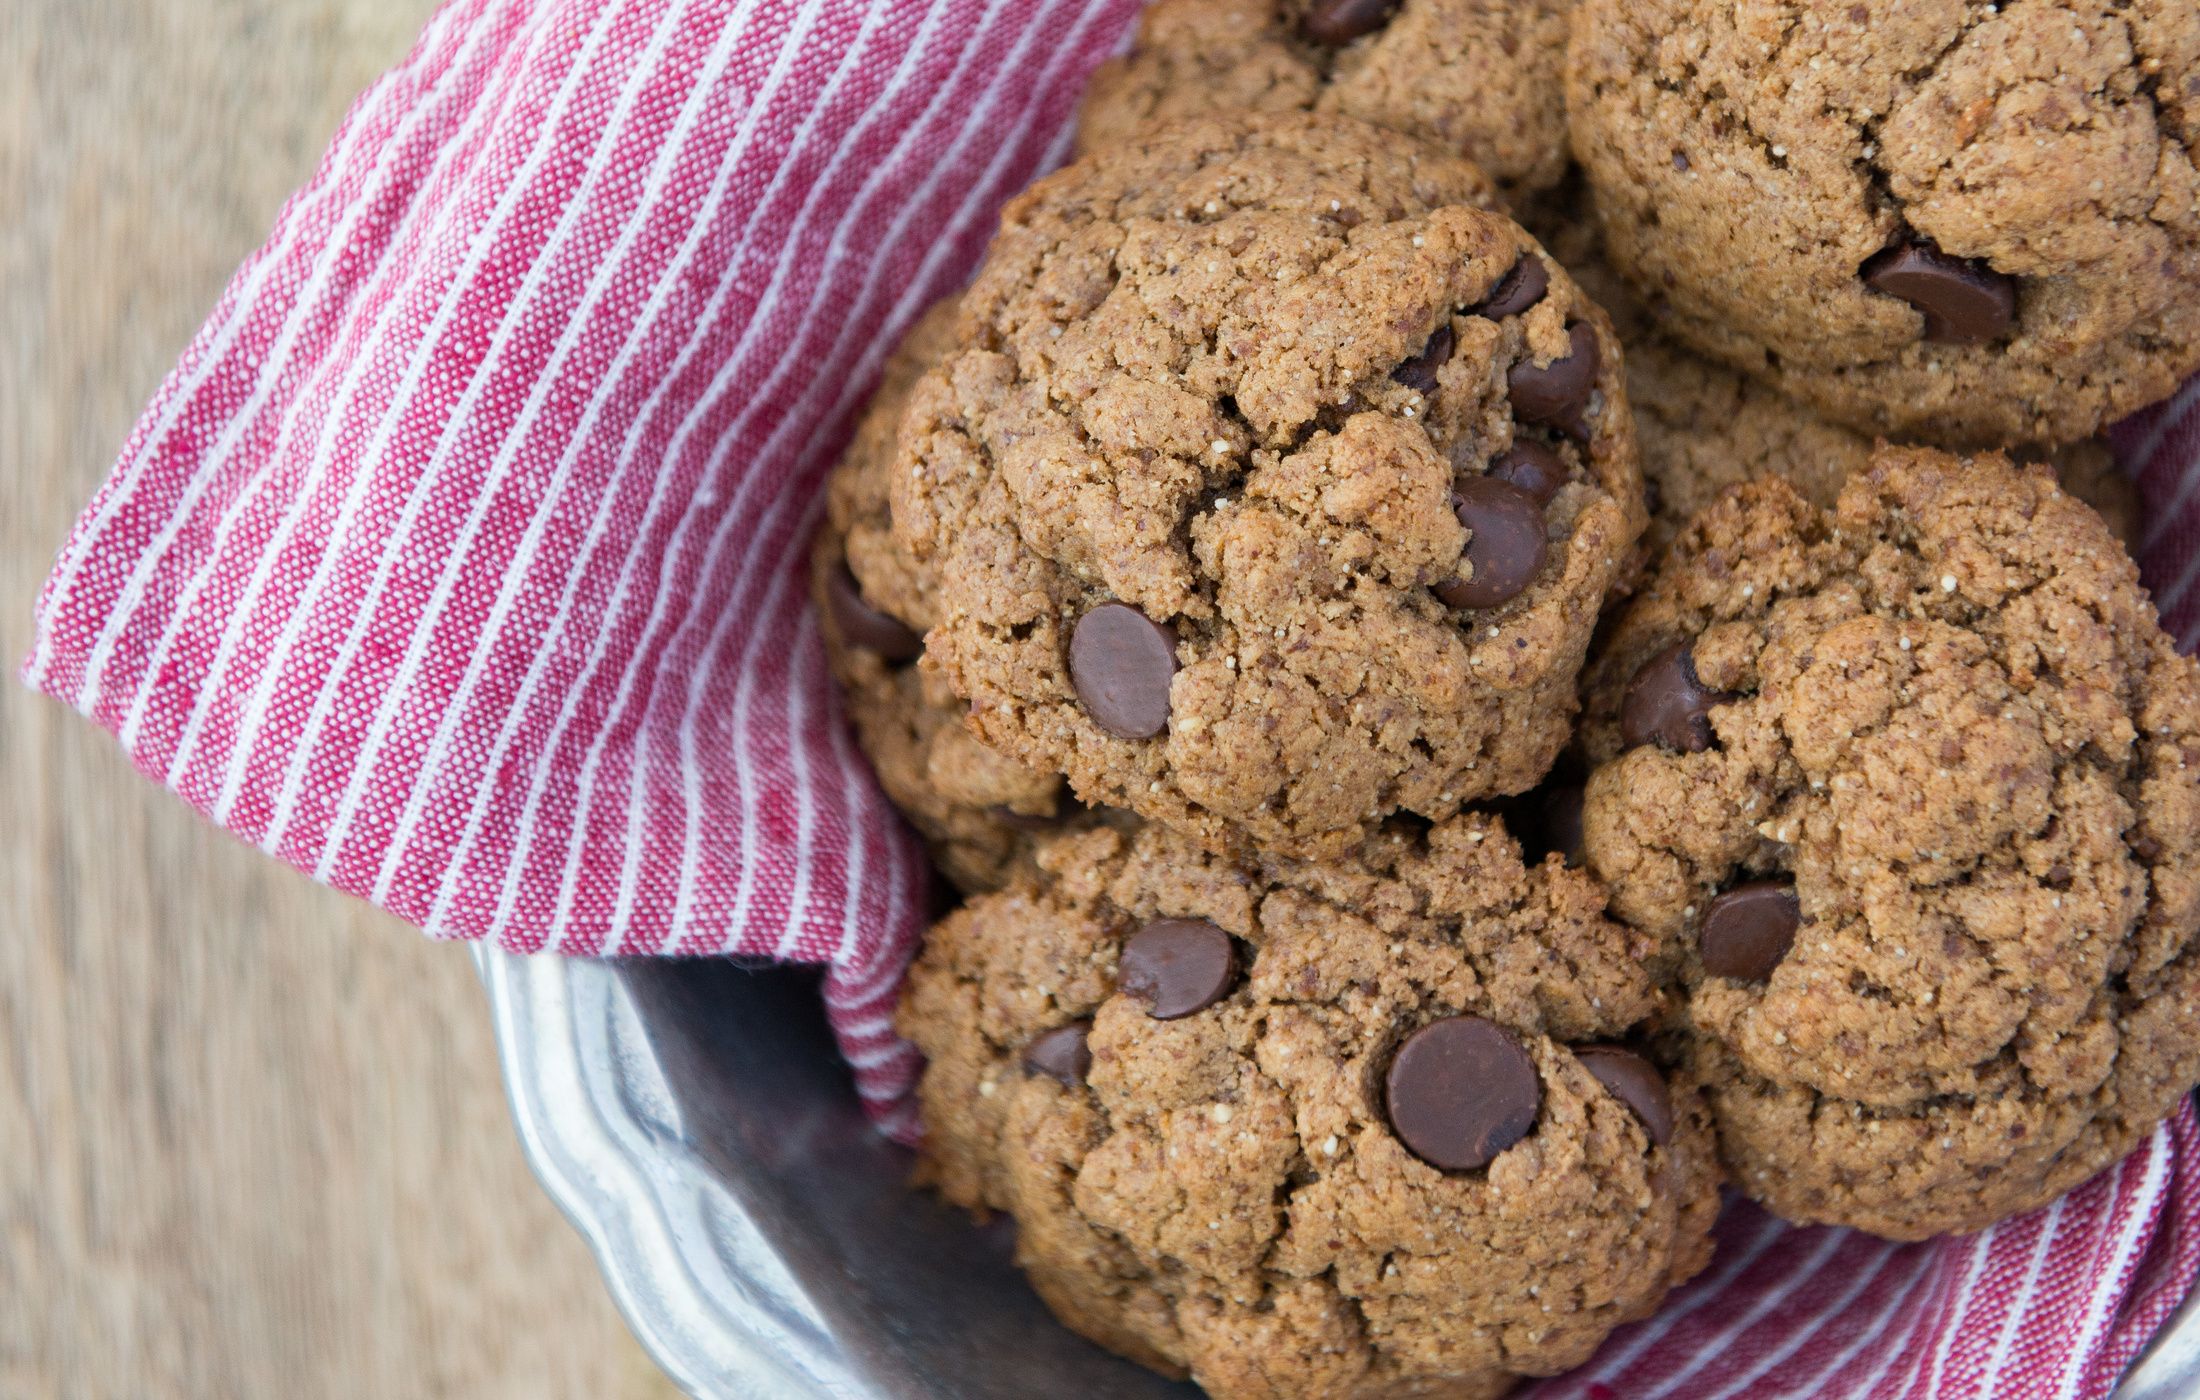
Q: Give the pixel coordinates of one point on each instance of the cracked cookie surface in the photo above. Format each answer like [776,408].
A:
[1479,78]
[1229,449]
[1914,787]
[975,809]
[1222,1194]
[1969,223]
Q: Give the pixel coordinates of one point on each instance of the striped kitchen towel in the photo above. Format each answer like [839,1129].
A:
[460,564]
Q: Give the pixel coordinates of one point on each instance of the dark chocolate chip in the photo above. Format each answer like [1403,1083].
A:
[1558,393]
[1121,663]
[1522,286]
[1333,23]
[1748,929]
[1634,1081]
[1460,1091]
[1061,1053]
[1965,301]
[1667,703]
[1533,468]
[864,626]
[1419,373]
[1507,546]
[1177,967]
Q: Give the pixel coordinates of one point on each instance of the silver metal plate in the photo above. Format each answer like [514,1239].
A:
[695,1123]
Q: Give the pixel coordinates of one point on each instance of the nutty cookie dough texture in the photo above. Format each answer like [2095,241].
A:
[1275,486]
[1354,1128]
[1914,786]
[975,808]
[1971,223]
[1479,78]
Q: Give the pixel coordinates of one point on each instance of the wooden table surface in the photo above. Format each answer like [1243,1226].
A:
[252,1137]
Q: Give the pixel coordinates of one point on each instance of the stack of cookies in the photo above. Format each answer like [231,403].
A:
[1455,749]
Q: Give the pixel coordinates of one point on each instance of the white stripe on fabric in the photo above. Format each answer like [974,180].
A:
[309,303]
[1707,1289]
[1800,1275]
[737,512]
[2076,1357]
[644,755]
[1981,1249]
[578,210]
[599,525]
[662,166]
[2006,1333]
[242,755]
[1804,1334]
[1838,1368]
[744,670]
[226,332]
[390,268]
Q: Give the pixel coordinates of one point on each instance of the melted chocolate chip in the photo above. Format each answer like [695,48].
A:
[1667,703]
[1460,1091]
[1121,663]
[1177,967]
[1522,286]
[1419,373]
[864,626]
[1634,1081]
[1749,929]
[1557,394]
[1061,1053]
[1334,23]
[1507,547]
[1965,302]
[1533,468]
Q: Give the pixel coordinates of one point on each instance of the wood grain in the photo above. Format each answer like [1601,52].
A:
[252,1136]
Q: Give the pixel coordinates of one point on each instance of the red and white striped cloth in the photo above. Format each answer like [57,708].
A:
[459,564]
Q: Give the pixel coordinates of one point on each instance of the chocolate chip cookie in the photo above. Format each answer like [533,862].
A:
[1970,224]
[1703,427]
[975,808]
[1275,488]
[1353,1128]
[1477,77]
[1914,786]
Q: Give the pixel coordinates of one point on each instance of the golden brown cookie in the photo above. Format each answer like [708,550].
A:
[1276,487]
[1703,427]
[1914,785]
[1972,224]
[1477,77]
[1193,1084]
[975,809]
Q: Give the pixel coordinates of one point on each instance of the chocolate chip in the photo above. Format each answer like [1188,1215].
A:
[1506,548]
[1419,373]
[1965,302]
[1522,286]
[1634,1081]
[1748,929]
[1558,393]
[1177,967]
[1332,23]
[1061,1053]
[1667,703]
[1460,1091]
[862,625]
[1121,663]
[1533,468]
